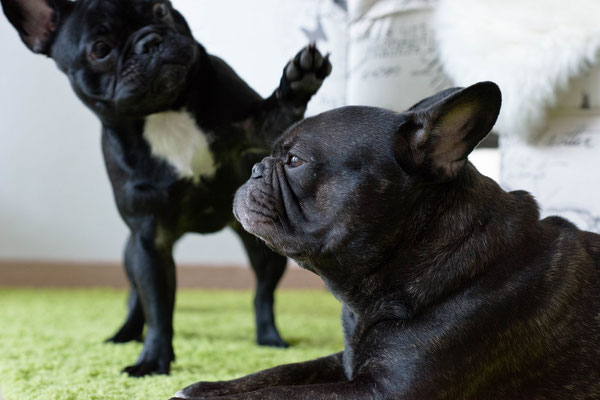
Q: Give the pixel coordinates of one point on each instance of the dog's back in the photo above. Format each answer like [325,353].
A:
[554,327]
[592,242]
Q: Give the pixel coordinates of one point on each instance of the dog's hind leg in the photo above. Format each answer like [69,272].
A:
[268,267]
[133,326]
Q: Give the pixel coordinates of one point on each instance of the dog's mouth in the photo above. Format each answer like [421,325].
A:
[255,222]
[272,234]
[250,214]
[263,223]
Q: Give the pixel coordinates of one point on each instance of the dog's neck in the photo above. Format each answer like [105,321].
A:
[459,233]
[126,132]
[448,239]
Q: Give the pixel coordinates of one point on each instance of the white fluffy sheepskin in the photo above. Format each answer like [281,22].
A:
[530,48]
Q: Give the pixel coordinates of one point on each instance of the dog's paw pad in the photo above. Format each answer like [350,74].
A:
[305,73]
[292,72]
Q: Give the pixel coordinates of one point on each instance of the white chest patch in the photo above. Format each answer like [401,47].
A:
[175,137]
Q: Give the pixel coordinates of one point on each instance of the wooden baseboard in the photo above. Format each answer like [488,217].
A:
[69,274]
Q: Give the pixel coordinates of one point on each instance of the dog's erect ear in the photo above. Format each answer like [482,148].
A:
[440,136]
[35,20]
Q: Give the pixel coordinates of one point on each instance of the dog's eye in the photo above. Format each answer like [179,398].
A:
[294,161]
[100,50]
[160,10]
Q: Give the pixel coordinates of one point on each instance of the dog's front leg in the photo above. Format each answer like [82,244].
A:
[322,370]
[302,77]
[153,273]
[328,391]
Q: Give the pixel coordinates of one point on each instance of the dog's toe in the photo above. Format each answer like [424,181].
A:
[306,59]
[292,72]
[180,395]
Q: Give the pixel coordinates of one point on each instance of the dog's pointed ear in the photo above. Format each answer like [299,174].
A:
[437,139]
[35,20]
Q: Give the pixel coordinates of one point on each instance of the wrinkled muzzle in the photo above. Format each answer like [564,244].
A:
[257,204]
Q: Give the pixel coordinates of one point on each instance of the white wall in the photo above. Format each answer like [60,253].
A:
[55,199]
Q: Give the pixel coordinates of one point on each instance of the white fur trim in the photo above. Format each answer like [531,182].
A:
[530,48]
[175,137]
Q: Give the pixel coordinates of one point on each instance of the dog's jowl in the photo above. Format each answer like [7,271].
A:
[451,288]
[180,131]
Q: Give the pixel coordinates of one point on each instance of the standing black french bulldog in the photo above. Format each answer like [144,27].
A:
[180,131]
[451,287]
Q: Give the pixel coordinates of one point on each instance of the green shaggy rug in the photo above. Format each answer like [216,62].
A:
[51,341]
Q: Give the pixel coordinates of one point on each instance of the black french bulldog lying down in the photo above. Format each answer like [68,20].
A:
[180,130]
[451,287]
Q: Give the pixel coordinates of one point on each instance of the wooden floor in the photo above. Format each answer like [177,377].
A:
[63,275]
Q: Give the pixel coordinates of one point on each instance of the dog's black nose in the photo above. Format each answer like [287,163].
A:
[257,170]
[147,43]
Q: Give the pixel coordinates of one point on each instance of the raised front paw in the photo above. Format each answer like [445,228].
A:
[303,75]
